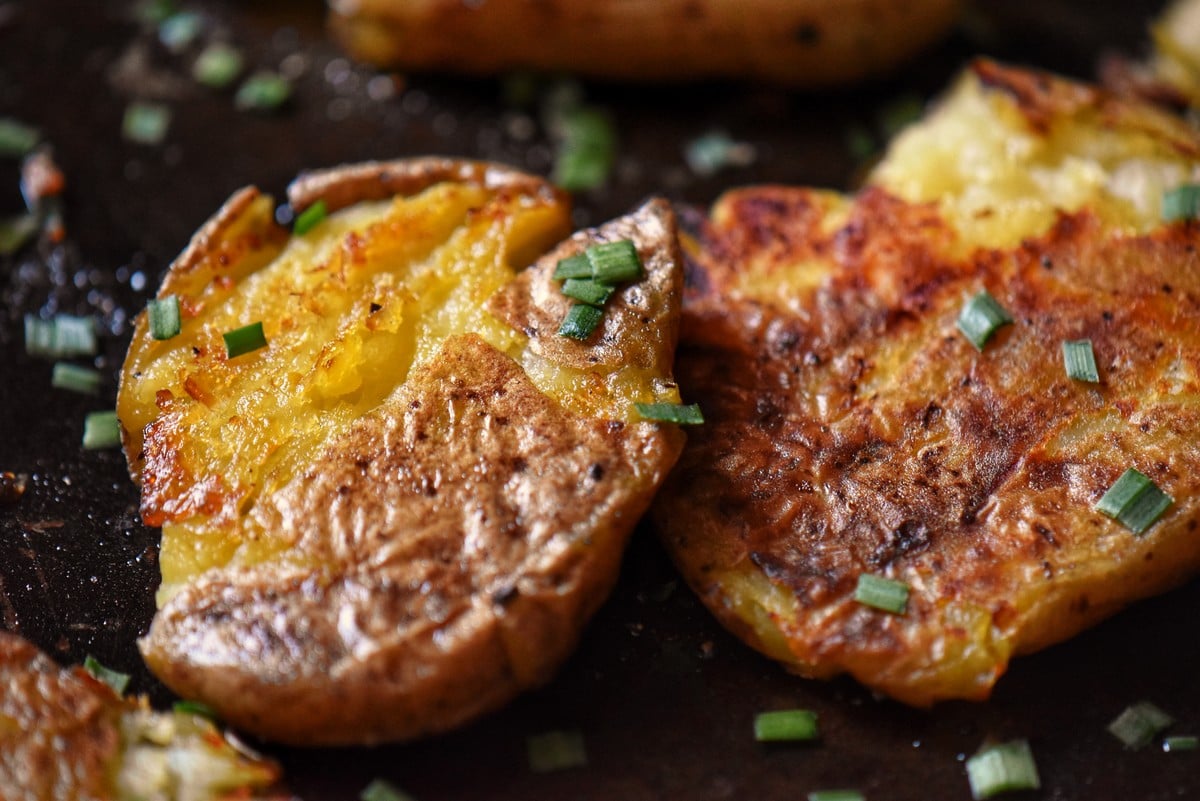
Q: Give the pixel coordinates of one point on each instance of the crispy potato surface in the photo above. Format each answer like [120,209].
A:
[65,736]
[853,430]
[404,508]
[796,42]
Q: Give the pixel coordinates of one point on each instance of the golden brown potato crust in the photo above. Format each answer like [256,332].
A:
[444,551]
[798,42]
[851,429]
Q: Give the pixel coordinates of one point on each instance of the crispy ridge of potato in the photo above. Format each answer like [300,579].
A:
[436,494]
[65,735]
[852,429]
[797,42]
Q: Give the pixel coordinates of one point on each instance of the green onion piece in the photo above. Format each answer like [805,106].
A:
[1134,501]
[1002,768]
[788,725]
[60,337]
[178,31]
[580,321]
[218,65]
[310,217]
[576,266]
[587,290]
[115,679]
[101,430]
[17,138]
[146,123]
[556,750]
[614,262]
[244,340]
[980,318]
[1181,203]
[83,380]
[164,317]
[198,708]
[836,795]
[713,151]
[882,593]
[154,12]
[1139,724]
[681,414]
[383,790]
[1080,360]
[262,91]
[1181,742]
[586,149]
[16,231]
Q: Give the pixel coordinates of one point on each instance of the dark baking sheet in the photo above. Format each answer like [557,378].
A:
[663,697]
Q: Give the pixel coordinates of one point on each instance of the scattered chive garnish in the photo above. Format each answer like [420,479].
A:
[980,318]
[194,708]
[17,138]
[244,340]
[62,336]
[217,66]
[679,413]
[1181,203]
[586,149]
[383,790]
[16,231]
[154,11]
[115,679]
[1139,724]
[83,380]
[836,795]
[101,430]
[164,317]
[310,217]
[178,31]
[1181,742]
[1134,501]
[785,725]
[262,91]
[146,123]
[576,266]
[556,750]
[711,152]
[614,262]
[881,593]
[1080,360]
[580,321]
[1002,768]
[587,291]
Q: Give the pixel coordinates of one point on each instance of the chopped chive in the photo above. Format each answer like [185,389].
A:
[711,152]
[101,430]
[310,217]
[16,231]
[679,413]
[882,593]
[178,31]
[383,790]
[580,322]
[587,290]
[1002,768]
[194,708]
[1139,724]
[262,91]
[980,318]
[556,750]
[836,795]
[218,65]
[785,725]
[1134,501]
[17,138]
[115,679]
[1181,203]
[154,12]
[164,317]
[576,266]
[1080,360]
[83,380]
[62,336]
[146,123]
[586,149]
[1181,742]
[614,262]
[244,340]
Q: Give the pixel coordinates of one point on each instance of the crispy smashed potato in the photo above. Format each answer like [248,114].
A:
[65,736]
[852,429]
[795,42]
[402,510]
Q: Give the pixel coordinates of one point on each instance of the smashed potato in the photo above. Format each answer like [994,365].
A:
[853,430]
[402,509]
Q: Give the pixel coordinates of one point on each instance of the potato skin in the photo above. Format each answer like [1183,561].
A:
[794,42]
[444,551]
[852,429]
